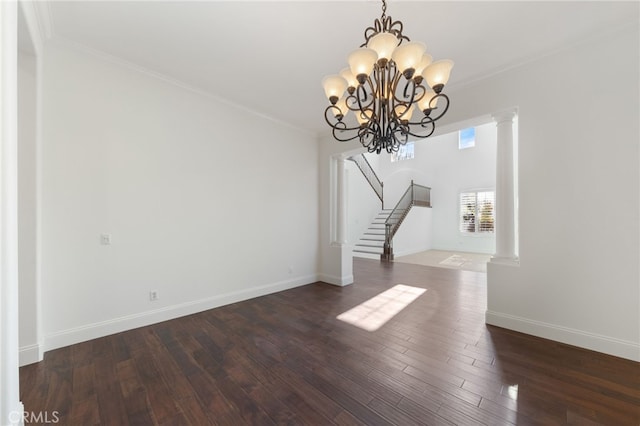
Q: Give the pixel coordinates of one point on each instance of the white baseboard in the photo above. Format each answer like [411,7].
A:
[129,322]
[409,252]
[595,342]
[334,280]
[30,354]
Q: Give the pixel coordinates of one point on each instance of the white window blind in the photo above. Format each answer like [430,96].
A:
[477,212]
[406,152]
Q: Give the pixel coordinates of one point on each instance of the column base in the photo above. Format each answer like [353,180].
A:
[340,265]
[508,261]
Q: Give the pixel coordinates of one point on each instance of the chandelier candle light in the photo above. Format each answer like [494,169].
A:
[383,86]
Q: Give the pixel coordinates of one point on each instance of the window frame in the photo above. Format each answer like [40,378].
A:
[462,146]
[477,212]
[396,156]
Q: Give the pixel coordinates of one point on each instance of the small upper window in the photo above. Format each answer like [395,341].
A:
[406,152]
[467,138]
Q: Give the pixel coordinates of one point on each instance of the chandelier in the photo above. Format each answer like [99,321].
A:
[384,86]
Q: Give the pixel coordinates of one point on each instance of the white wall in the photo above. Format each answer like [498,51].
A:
[416,232]
[205,203]
[397,175]
[578,279]
[454,171]
[579,193]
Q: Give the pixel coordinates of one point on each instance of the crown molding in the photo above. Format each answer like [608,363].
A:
[523,62]
[44,19]
[33,27]
[37,16]
[118,61]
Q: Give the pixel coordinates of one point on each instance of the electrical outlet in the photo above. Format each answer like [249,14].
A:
[105,239]
[153,295]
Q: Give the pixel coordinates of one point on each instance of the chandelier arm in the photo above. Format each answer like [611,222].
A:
[444,110]
[372,131]
[416,93]
[334,122]
[360,96]
[376,83]
[405,92]
[426,123]
[404,130]
[333,109]
[340,139]
[424,135]
[395,145]
[341,127]
[389,104]
[338,125]
[367,137]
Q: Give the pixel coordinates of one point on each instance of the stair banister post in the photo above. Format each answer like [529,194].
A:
[387,253]
[412,197]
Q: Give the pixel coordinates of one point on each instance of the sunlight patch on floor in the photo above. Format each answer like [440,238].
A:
[476,262]
[375,312]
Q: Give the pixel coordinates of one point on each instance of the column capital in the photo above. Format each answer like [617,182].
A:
[342,157]
[504,116]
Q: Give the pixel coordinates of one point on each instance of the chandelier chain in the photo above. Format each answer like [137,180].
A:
[384,10]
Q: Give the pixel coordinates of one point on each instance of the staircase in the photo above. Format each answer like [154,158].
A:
[371,243]
[415,195]
[377,241]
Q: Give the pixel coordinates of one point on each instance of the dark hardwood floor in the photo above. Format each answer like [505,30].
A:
[286,359]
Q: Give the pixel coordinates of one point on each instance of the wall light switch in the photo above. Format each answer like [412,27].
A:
[105,239]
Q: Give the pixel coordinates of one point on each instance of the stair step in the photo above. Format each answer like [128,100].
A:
[371,244]
[367,251]
[374,256]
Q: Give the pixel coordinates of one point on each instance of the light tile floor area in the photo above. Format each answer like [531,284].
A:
[448,259]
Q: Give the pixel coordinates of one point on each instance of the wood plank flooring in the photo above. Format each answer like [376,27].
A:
[286,359]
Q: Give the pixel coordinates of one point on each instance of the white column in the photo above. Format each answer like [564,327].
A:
[341,193]
[10,406]
[338,261]
[505,190]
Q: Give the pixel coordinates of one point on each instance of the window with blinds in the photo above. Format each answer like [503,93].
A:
[477,211]
[406,152]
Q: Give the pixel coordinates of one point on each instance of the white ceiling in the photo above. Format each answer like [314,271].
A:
[271,56]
